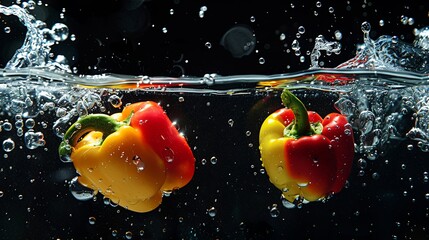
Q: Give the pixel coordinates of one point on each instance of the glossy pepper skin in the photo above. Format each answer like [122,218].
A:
[130,157]
[305,156]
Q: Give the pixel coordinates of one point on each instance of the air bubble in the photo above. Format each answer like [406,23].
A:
[230,122]
[252,19]
[92,220]
[274,211]
[208,45]
[301,30]
[213,160]
[128,235]
[8,145]
[34,140]
[338,35]
[295,45]
[365,27]
[7,29]
[115,101]
[7,126]
[211,212]
[60,32]
[261,60]
[30,123]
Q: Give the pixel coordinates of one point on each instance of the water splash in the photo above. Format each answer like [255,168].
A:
[385,105]
[390,53]
[35,51]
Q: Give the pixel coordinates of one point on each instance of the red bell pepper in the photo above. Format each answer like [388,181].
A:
[130,157]
[305,156]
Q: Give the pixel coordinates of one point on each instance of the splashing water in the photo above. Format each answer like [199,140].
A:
[36,49]
[55,89]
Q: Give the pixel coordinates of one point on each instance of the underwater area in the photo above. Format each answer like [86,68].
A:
[215,72]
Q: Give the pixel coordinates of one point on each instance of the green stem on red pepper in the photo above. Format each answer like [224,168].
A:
[301,125]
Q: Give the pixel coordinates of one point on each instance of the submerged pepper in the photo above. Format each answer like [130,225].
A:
[130,157]
[305,156]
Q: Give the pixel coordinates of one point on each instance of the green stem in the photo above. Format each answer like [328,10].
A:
[301,126]
[94,122]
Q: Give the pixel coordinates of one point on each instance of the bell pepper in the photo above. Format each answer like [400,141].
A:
[130,157]
[305,156]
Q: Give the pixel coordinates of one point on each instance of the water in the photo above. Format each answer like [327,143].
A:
[383,91]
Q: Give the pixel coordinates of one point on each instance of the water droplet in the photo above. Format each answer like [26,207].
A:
[375,176]
[168,154]
[301,30]
[34,140]
[295,45]
[115,101]
[171,11]
[201,14]
[208,45]
[29,123]
[347,132]
[7,29]
[213,160]
[92,220]
[261,60]
[252,19]
[286,203]
[362,163]
[8,145]
[203,161]
[60,32]
[338,35]
[114,233]
[1,194]
[164,30]
[128,235]
[181,99]
[318,4]
[274,211]
[7,126]
[211,212]
[230,122]
[239,41]
[381,23]
[248,133]
[282,37]
[331,10]
[410,147]
[79,191]
[365,27]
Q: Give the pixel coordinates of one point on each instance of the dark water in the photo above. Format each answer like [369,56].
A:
[389,199]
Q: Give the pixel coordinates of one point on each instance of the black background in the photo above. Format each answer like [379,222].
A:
[125,36]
